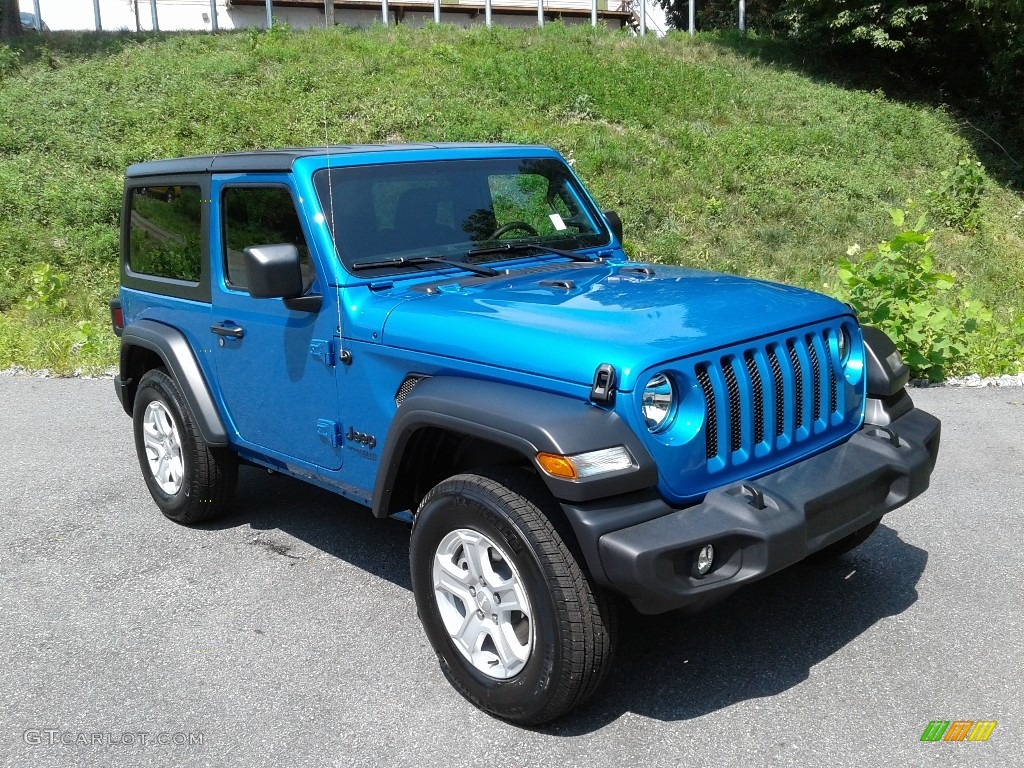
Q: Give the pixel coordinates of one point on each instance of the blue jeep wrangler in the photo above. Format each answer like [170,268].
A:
[453,333]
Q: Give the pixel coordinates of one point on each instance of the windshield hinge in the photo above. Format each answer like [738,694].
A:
[603,390]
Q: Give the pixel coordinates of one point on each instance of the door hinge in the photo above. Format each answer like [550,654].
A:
[322,350]
[329,431]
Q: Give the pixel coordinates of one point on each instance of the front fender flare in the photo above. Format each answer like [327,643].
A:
[523,420]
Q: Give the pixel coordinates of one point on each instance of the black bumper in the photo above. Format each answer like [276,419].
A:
[757,527]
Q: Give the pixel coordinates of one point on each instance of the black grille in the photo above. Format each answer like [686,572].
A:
[735,406]
[741,387]
[780,392]
[758,390]
[815,379]
[711,429]
[832,384]
[798,378]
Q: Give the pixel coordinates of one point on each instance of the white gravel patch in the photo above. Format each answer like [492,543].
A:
[974,381]
[46,373]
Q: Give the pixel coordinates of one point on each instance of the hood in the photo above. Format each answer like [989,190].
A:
[564,322]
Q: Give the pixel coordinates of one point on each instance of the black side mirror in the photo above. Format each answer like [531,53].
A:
[273,271]
[615,223]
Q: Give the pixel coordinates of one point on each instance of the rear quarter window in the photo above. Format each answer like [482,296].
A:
[165,232]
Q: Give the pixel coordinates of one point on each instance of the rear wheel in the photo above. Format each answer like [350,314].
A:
[518,626]
[189,481]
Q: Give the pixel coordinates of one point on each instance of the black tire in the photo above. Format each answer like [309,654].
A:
[845,544]
[572,622]
[207,478]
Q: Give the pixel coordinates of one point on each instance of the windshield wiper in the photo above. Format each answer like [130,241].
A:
[519,247]
[416,260]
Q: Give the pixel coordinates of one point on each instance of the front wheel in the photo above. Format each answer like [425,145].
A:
[518,626]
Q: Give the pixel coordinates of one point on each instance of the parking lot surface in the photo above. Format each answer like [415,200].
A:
[286,635]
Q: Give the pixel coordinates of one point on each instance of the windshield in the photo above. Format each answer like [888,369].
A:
[384,216]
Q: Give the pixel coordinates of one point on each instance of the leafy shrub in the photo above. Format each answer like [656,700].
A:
[46,290]
[9,62]
[896,288]
[957,203]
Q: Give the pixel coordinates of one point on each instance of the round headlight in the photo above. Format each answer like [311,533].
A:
[843,340]
[658,401]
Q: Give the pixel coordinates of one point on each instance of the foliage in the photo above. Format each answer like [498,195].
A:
[957,202]
[46,290]
[10,62]
[722,14]
[712,159]
[897,288]
[972,51]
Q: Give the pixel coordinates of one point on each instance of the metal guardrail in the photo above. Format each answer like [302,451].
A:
[391,11]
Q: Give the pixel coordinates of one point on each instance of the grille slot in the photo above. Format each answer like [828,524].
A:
[798,384]
[833,396]
[816,379]
[732,386]
[757,388]
[711,421]
[780,392]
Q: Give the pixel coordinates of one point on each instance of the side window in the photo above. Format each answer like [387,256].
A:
[165,236]
[260,216]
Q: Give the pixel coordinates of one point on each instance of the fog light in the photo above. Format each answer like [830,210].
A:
[705,558]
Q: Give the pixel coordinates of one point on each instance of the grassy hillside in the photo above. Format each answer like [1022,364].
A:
[713,158]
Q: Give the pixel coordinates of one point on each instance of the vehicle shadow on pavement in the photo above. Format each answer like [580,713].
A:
[343,529]
[759,642]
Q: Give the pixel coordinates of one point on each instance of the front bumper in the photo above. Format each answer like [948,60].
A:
[757,527]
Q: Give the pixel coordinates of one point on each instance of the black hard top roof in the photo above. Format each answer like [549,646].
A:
[270,160]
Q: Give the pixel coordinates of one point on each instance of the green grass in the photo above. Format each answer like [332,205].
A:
[713,158]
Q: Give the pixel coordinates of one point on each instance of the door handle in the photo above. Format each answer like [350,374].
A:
[228,328]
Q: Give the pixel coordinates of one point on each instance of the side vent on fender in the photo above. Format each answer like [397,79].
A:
[408,386]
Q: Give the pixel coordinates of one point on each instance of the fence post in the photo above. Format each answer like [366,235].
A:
[540,13]
[270,14]
[643,17]
[593,13]
[743,16]
[213,15]
[384,11]
[153,13]
[693,17]
[96,15]
[437,11]
[328,13]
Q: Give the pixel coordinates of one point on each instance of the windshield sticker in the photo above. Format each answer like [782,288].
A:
[556,219]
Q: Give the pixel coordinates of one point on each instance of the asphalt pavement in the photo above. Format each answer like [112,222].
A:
[285,634]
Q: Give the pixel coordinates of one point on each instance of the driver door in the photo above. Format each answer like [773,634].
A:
[274,364]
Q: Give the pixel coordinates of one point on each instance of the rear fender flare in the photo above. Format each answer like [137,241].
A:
[178,357]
